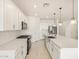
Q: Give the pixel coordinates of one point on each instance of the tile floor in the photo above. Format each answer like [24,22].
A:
[38,51]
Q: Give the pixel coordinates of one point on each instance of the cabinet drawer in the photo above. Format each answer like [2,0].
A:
[55,51]
[7,55]
[53,44]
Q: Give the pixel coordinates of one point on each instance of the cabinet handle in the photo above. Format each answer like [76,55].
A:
[22,50]
[52,49]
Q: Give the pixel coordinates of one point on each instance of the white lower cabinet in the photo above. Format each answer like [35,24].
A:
[53,51]
[13,54]
[60,53]
[7,54]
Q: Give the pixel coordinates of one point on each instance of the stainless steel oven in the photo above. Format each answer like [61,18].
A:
[24,25]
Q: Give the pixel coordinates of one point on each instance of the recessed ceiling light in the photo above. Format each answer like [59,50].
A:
[36,14]
[35,6]
[47,16]
[46,4]
[10,6]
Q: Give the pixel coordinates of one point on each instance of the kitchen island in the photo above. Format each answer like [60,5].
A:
[15,49]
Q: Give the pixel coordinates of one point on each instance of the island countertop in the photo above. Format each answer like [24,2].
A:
[64,42]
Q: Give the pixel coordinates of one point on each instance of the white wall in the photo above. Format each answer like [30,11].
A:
[33,27]
[44,23]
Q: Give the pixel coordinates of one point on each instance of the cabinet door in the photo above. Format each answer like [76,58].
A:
[16,19]
[7,54]
[10,15]
[34,27]
[20,19]
[1,15]
[55,51]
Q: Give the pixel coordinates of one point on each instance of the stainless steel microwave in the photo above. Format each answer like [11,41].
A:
[52,29]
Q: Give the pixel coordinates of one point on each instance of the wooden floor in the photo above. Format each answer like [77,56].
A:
[38,51]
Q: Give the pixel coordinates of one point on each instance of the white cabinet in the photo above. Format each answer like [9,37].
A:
[34,27]
[11,17]
[15,49]
[57,52]
[53,50]
[7,54]
[21,17]
[1,15]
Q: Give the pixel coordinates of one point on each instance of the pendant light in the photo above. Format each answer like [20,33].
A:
[73,20]
[54,19]
[46,5]
[60,21]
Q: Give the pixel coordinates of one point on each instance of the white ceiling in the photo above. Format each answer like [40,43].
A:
[35,7]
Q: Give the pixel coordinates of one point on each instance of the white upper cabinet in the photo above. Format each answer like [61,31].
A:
[1,15]
[10,18]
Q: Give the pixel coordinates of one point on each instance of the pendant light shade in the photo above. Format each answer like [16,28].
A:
[73,20]
[54,19]
[60,21]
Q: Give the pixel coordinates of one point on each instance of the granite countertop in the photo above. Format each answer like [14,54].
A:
[64,42]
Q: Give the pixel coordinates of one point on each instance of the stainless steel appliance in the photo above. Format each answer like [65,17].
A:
[24,25]
[52,31]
